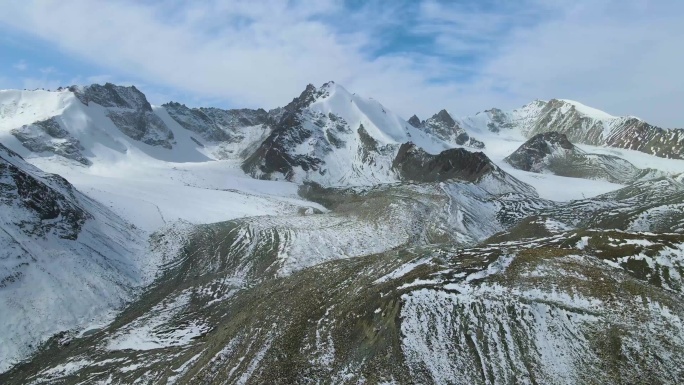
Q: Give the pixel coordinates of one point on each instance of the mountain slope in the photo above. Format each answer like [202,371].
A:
[552,152]
[652,206]
[229,133]
[581,124]
[70,133]
[90,124]
[540,311]
[65,260]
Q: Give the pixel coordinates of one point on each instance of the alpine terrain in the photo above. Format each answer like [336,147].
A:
[331,241]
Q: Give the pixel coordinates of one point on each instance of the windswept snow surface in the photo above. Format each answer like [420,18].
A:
[589,111]
[152,193]
[638,158]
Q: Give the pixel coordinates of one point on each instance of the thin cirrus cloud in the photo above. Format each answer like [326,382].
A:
[414,56]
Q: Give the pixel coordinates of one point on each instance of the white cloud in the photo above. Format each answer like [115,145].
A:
[619,56]
[624,57]
[20,65]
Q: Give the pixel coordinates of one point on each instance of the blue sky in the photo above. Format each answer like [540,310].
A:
[415,56]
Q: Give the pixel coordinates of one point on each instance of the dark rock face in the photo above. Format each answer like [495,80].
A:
[443,117]
[538,148]
[143,126]
[635,134]
[552,152]
[414,164]
[310,95]
[49,136]
[45,203]
[111,95]
[130,111]
[499,120]
[443,126]
[629,133]
[414,121]
[273,155]
[215,124]
[369,145]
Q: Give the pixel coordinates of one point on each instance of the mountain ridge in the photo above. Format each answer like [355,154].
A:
[553,152]
[584,125]
[581,123]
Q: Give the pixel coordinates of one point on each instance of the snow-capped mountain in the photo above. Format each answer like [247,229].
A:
[330,240]
[444,127]
[582,124]
[552,152]
[332,137]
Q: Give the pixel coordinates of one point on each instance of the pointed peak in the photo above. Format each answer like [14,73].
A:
[332,87]
[414,121]
[112,95]
[444,117]
[308,96]
[586,110]
[537,103]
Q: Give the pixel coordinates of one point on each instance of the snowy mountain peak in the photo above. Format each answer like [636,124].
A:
[587,111]
[443,126]
[414,121]
[111,95]
[444,117]
[311,94]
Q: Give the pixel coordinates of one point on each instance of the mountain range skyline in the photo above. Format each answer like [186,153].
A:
[413,55]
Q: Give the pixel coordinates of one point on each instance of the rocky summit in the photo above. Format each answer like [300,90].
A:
[552,152]
[331,241]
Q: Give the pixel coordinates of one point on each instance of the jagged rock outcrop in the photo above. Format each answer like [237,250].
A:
[229,133]
[215,124]
[329,136]
[130,111]
[585,125]
[552,152]
[414,121]
[444,127]
[48,136]
[414,164]
[274,155]
[531,155]
[43,203]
